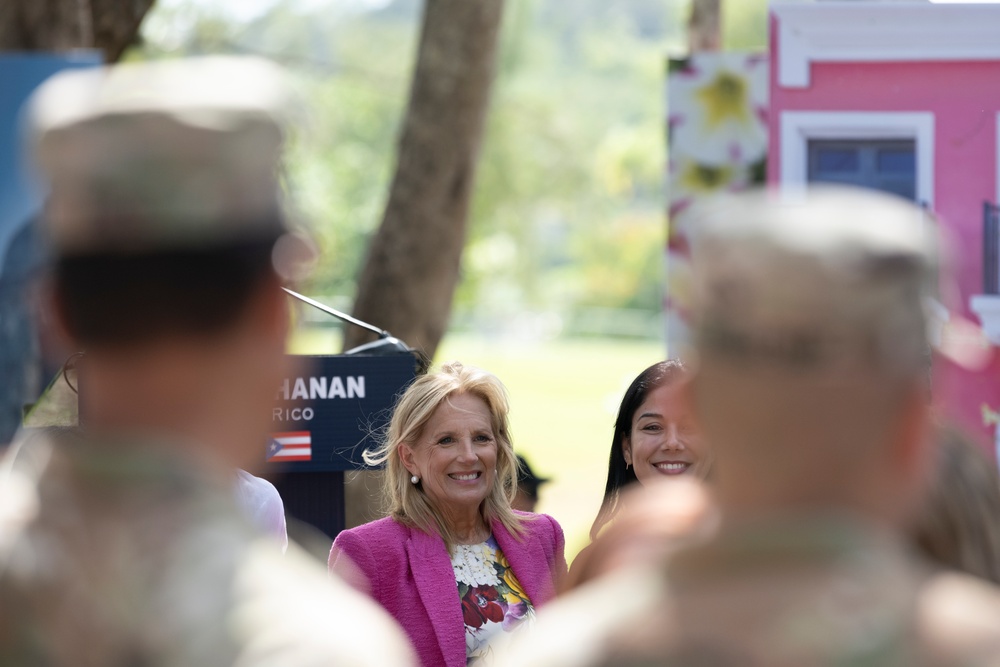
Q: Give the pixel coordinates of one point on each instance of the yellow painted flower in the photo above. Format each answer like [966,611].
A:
[515,586]
[724,98]
[517,591]
[718,109]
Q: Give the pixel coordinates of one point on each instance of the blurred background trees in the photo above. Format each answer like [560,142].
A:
[566,221]
[408,280]
[110,26]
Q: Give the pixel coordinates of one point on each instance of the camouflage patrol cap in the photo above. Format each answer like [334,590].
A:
[815,279]
[163,155]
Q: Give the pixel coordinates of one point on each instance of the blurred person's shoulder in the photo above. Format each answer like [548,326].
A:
[291,612]
[22,463]
[958,616]
[655,521]
[18,499]
[584,626]
[786,593]
[263,505]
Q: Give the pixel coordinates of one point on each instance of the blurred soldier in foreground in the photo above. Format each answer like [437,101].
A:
[811,384]
[122,543]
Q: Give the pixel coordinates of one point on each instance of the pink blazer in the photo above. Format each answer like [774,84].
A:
[409,573]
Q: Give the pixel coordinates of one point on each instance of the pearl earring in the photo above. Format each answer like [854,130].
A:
[414,479]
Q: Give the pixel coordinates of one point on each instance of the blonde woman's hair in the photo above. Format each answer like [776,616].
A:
[407,502]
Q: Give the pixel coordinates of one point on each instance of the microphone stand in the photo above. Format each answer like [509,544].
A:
[344,317]
[386,343]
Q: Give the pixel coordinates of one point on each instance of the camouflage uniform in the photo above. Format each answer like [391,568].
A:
[111,555]
[121,550]
[820,591]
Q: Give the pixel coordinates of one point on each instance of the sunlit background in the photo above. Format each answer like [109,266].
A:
[562,278]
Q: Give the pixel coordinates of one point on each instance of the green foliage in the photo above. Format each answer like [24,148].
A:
[567,212]
[352,71]
[744,25]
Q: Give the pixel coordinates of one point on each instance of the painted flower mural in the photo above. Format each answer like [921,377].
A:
[717,130]
[718,108]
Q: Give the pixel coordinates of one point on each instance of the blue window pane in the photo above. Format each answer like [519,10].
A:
[837,159]
[882,164]
[896,161]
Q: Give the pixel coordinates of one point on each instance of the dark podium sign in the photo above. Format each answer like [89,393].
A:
[334,408]
[323,419]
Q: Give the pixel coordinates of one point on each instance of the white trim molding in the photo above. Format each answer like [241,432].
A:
[850,31]
[987,307]
[798,127]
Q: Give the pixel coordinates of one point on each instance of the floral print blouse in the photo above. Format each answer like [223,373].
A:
[493,601]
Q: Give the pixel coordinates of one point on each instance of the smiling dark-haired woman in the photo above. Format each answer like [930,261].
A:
[655,440]
[655,437]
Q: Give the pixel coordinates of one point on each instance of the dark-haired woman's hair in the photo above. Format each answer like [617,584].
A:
[958,527]
[620,476]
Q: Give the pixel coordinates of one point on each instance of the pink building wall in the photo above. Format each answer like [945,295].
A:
[964,97]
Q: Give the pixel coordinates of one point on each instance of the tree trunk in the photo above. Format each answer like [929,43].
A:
[704,28]
[412,269]
[61,25]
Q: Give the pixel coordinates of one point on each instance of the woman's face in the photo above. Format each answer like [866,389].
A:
[663,441]
[455,455]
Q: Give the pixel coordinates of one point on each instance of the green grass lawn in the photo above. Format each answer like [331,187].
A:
[564,395]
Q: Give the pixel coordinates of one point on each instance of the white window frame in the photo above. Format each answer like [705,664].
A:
[798,128]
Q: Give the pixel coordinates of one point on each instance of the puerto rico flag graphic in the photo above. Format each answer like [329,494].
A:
[291,446]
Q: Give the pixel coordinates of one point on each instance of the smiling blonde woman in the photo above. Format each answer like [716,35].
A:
[453,563]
